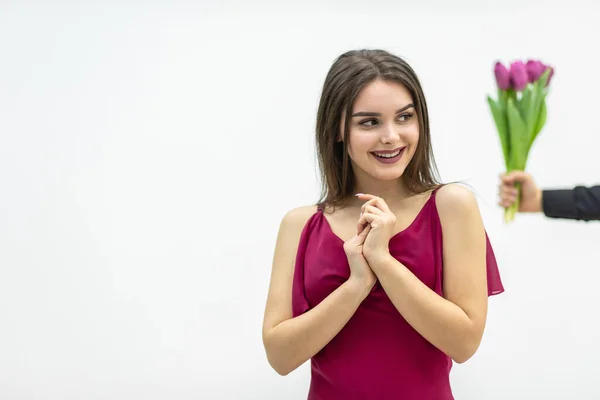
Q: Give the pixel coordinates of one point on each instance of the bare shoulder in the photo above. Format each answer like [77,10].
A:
[295,219]
[288,238]
[291,226]
[455,202]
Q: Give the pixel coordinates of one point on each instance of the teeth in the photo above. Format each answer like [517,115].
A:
[388,155]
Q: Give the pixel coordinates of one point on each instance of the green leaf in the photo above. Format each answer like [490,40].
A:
[543,79]
[538,98]
[499,115]
[537,109]
[524,104]
[540,122]
[518,137]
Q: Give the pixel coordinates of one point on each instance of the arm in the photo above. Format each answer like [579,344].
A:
[288,341]
[580,203]
[453,323]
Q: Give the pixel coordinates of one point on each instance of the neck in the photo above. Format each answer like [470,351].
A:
[392,191]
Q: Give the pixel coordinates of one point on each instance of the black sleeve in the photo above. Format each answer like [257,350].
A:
[580,203]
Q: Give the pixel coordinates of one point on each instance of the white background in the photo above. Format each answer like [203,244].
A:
[149,150]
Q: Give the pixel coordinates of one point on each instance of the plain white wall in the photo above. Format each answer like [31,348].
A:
[149,151]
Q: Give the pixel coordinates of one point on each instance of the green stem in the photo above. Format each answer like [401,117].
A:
[511,212]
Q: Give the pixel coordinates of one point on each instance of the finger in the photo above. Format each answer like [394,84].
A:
[508,200]
[508,191]
[362,208]
[374,200]
[509,194]
[365,229]
[368,198]
[514,176]
[368,218]
[364,196]
[360,227]
[361,224]
[510,188]
[506,203]
[363,235]
[372,209]
[381,204]
[365,218]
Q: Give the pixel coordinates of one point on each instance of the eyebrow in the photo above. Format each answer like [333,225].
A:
[374,114]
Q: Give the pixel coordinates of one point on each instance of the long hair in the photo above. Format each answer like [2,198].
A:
[348,75]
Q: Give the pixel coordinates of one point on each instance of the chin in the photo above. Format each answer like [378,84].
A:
[380,172]
[389,175]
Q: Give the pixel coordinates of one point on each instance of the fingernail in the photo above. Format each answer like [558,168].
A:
[359,194]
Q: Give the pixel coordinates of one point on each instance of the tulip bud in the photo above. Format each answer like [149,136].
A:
[518,75]
[502,76]
[535,69]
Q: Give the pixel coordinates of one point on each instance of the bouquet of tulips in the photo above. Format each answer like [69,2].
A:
[519,113]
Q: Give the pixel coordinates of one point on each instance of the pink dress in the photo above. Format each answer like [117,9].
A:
[377,355]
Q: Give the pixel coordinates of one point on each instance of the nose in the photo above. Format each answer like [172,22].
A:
[389,134]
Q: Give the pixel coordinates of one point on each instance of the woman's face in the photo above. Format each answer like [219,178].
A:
[383,132]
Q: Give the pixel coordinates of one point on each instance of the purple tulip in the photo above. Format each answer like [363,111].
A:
[502,76]
[518,75]
[535,69]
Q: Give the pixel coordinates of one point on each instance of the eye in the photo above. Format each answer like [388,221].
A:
[368,122]
[405,117]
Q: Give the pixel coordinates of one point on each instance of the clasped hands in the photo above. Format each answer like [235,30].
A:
[370,245]
[376,214]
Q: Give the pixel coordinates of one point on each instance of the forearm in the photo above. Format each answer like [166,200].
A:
[580,203]
[439,321]
[294,341]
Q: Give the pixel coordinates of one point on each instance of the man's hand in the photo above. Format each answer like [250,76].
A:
[531,195]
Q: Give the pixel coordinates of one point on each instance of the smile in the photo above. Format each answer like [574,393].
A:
[389,156]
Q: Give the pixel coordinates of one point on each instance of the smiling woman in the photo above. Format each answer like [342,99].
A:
[384,288]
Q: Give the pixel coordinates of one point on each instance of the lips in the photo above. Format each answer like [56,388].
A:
[388,157]
[388,153]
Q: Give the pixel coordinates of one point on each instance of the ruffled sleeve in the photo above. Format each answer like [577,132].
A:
[300,303]
[494,282]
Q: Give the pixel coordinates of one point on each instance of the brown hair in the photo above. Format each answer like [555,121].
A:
[348,75]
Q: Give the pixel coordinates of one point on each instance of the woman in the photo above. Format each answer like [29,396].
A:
[386,280]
